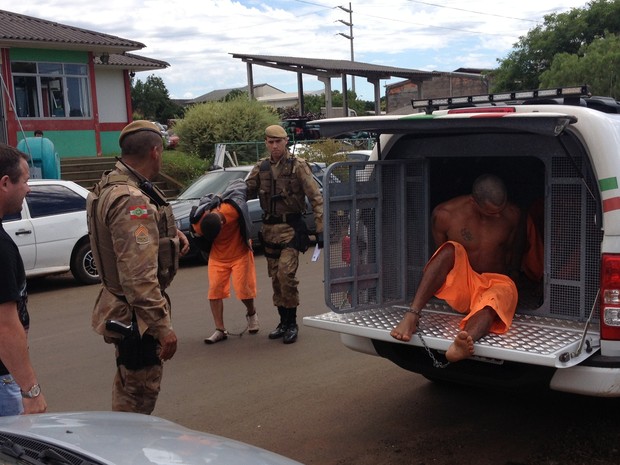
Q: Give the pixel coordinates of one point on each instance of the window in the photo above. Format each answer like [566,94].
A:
[51,90]
[12,217]
[53,200]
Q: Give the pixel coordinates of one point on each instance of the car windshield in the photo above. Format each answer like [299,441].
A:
[211,183]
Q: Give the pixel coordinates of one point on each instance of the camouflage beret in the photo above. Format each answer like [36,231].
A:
[138,126]
[275,130]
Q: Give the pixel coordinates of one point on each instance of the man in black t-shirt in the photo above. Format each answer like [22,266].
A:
[19,390]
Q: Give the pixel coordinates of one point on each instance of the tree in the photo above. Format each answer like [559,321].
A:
[597,64]
[235,93]
[564,33]
[236,120]
[151,100]
[313,105]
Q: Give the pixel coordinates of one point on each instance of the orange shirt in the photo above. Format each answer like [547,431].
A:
[229,244]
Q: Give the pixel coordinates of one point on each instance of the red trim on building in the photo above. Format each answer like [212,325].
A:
[611,204]
[93,92]
[11,124]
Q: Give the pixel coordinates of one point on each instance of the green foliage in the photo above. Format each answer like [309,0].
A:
[183,167]
[237,120]
[597,64]
[150,100]
[326,151]
[354,104]
[234,94]
[314,103]
[564,33]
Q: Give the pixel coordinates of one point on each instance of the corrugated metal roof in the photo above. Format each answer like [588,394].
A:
[217,94]
[18,29]
[132,61]
[320,66]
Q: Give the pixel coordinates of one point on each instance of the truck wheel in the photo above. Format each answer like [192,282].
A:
[83,265]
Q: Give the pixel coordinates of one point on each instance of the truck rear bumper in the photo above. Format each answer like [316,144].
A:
[581,379]
[596,376]
[587,380]
[531,339]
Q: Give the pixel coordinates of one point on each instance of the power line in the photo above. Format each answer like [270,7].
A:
[471,11]
[426,24]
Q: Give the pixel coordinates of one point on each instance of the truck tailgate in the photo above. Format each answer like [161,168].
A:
[531,339]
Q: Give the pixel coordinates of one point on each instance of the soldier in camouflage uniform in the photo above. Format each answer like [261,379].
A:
[136,247]
[282,182]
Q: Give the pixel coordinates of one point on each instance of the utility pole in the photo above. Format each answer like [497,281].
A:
[349,36]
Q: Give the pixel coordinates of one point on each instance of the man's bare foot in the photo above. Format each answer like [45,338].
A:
[461,348]
[407,326]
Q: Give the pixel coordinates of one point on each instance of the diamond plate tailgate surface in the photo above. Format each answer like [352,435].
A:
[531,339]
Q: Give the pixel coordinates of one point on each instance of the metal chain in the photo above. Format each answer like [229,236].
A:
[436,363]
[237,334]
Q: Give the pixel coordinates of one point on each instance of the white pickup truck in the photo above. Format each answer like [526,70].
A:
[555,148]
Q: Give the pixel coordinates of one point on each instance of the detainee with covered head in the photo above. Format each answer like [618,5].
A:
[222,226]
[478,237]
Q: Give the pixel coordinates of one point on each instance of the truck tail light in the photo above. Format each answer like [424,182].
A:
[610,297]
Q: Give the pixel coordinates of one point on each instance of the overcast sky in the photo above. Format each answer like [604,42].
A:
[197,37]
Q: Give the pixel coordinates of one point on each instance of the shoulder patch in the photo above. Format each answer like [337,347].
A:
[138,212]
[142,235]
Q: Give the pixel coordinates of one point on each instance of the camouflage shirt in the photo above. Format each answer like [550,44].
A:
[136,250]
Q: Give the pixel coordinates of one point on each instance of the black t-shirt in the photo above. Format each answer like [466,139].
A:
[13,279]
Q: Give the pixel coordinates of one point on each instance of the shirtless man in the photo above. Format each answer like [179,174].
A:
[477,239]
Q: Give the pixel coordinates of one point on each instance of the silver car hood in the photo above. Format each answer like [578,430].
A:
[130,438]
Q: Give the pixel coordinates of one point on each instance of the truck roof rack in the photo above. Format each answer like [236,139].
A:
[574,95]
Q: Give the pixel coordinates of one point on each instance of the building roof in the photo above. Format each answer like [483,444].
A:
[216,94]
[219,94]
[17,30]
[335,68]
[471,70]
[132,62]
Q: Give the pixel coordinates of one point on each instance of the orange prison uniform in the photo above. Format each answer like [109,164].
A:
[469,292]
[533,259]
[231,256]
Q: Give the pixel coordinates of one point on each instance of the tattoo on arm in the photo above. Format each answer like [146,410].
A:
[466,234]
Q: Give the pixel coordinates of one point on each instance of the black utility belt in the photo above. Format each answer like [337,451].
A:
[279,219]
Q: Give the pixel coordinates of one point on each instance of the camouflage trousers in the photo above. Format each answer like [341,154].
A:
[136,390]
[282,270]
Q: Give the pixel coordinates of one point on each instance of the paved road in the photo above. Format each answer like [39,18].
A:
[313,401]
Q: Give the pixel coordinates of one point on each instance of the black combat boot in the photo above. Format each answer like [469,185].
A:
[281,328]
[292,329]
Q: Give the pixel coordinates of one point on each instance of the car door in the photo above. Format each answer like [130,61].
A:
[58,219]
[21,230]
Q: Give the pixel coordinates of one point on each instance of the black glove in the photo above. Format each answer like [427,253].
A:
[319,240]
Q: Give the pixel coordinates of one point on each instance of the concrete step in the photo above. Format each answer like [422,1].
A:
[87,171]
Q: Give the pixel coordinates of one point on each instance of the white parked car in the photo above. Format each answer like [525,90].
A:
[120,438]
[51,231]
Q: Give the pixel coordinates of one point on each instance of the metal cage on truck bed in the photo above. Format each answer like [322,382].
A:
[377,215]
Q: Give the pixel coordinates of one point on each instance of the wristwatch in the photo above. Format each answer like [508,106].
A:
[34,391]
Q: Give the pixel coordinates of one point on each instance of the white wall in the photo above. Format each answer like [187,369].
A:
[111,96]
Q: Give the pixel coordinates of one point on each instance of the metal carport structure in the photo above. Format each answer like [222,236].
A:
[325,70]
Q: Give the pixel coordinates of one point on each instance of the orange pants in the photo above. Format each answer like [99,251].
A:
[469,292]
[243,275]
[533,263]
